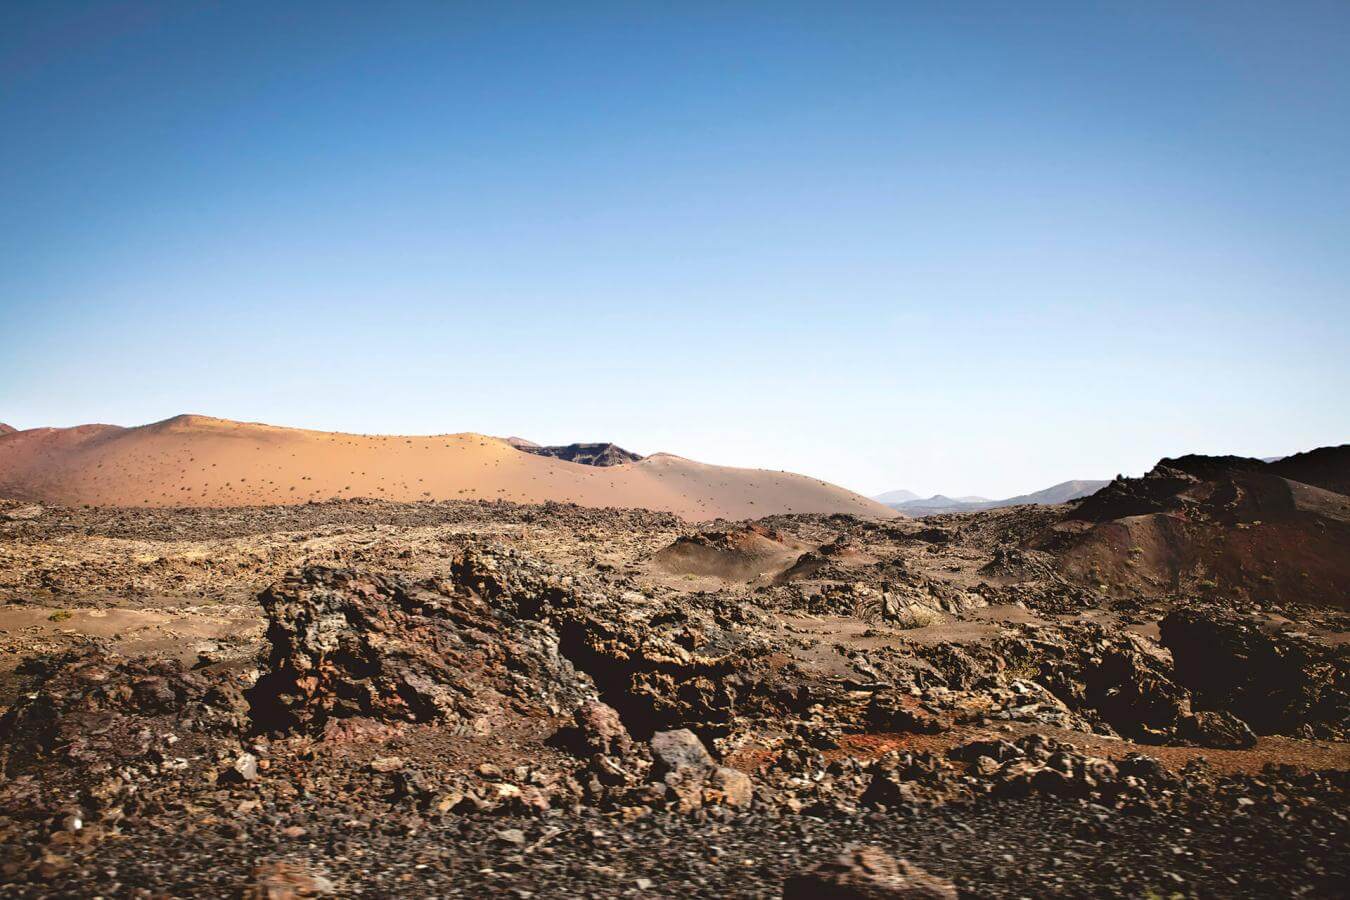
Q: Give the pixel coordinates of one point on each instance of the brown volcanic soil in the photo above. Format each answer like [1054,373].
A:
[196,461]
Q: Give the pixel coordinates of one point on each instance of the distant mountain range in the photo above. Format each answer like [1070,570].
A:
[938,503]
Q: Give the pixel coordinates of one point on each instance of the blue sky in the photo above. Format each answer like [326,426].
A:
[958,247]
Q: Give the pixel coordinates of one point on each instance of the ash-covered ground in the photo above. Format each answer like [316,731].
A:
[363,698]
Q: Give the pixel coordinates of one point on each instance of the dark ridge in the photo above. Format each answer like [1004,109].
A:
[1209,467]
[602,454]
[1325,467]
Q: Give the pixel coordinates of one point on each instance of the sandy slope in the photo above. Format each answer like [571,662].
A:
[201,461]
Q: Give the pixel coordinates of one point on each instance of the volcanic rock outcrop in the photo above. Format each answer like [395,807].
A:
[598,454]
[343,644]
[1276,683]
[1213,525]
[661,665]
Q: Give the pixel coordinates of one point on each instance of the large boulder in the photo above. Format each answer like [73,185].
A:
[678,751]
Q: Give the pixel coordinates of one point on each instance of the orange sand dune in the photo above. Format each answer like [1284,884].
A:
[201,461]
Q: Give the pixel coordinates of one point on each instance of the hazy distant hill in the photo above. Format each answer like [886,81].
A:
[1059,493]
[893,497]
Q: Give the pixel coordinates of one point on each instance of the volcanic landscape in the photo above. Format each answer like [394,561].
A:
[246,661]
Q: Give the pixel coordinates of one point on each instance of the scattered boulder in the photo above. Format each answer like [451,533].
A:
[281,880]
[597,731]
[243,769]
[867,873]
[678,751]
[1220,730]
[693,779]
[602,729]
[891,710]
[1036,764]
[726,786]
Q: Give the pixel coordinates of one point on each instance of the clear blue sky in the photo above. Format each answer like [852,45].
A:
[959,247]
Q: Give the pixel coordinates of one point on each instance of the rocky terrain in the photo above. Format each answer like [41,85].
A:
[482,698]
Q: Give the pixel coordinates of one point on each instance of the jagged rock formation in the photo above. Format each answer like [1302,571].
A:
[661,666]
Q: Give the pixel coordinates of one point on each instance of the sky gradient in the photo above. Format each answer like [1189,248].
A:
[974,248]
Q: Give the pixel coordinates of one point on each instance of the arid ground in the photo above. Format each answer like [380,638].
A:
[1142,693]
